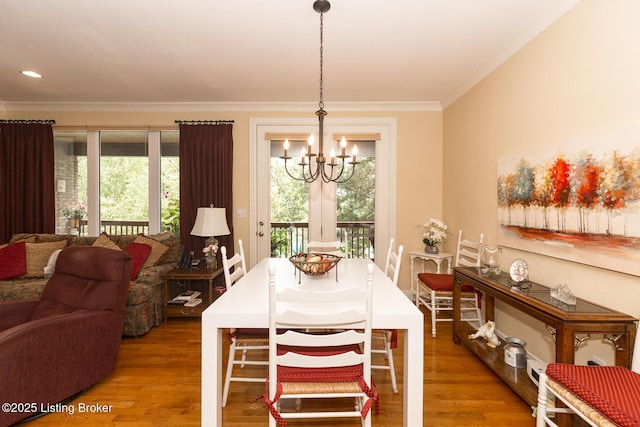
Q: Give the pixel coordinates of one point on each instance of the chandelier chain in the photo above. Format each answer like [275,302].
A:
[332,168]
[321,103]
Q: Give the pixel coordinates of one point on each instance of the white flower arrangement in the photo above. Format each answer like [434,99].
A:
[435,231]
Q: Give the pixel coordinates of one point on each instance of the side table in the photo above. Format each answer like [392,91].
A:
[187,275]
[424,257]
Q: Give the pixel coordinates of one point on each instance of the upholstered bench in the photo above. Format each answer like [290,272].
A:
[601,395]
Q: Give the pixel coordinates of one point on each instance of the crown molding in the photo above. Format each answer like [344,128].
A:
[528,34]
[216,106]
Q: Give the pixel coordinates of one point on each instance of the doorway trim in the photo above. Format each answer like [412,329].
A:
[386,157]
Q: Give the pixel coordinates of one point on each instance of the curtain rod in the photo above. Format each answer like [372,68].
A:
[204,122]
[44,122]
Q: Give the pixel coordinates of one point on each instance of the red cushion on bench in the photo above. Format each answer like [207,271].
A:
[611,390]
[441,282]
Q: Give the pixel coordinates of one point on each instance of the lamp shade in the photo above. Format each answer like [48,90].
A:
[211,222]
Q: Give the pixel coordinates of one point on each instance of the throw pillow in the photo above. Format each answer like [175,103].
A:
[14,260]
[157,250]
[139,252]
[38,255]
[51,264]
[104,241]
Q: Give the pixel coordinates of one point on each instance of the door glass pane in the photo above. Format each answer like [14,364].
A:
[71,181]
[289,204]
[170,181]
[356,205]
[124,182]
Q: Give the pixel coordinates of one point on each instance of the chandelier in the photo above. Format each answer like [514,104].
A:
[331,169]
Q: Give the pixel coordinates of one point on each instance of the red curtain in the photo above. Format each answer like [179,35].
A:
[206,177]
[27,188]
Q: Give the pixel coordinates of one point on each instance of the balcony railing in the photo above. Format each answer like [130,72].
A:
[288,238]
[117,227]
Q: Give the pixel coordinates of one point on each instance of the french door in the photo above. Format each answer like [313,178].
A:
[319,215]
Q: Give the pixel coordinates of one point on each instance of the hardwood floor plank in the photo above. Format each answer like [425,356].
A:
[157,383]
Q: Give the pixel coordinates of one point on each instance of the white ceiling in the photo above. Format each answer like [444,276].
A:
[252,51]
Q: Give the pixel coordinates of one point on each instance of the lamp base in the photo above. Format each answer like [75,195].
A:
[211,241]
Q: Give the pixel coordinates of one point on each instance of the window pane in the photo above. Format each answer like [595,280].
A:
[356,204]
[71,181]
[124,182]
[170,181]
[289,206]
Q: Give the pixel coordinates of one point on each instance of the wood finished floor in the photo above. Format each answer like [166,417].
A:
[157,383]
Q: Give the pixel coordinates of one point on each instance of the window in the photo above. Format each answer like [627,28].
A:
[116,181]
[71,181]
[170,181]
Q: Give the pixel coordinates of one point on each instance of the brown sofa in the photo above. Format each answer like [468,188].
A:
[145,297]
[55,347]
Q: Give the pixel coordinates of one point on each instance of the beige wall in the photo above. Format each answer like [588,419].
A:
[580,76]
[419,158]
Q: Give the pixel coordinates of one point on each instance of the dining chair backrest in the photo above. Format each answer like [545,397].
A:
[236,262]
[392,265]
[330,248]
[343,316]
[468,252]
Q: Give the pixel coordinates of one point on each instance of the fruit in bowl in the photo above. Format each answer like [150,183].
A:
[314,264]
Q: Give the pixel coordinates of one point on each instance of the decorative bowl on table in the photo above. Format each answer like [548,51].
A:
[314,264]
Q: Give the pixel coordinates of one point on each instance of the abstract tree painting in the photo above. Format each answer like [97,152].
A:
[580,202]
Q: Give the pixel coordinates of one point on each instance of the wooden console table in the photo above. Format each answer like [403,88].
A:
[566,321]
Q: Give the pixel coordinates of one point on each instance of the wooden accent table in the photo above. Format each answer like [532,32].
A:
[194,273]
[564,321]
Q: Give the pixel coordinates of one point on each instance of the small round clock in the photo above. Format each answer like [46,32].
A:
[519,270]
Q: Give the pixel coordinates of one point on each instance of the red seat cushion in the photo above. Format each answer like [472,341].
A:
[441,282]
[611,390]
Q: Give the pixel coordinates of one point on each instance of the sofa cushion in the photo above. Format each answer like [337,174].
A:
[23,237]
[157,250]
[14,260]
[38,255]
[104,241]
[139,252]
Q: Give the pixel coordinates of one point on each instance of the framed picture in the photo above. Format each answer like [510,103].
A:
[579,202]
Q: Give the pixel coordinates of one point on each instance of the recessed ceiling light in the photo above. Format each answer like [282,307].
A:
[33,74]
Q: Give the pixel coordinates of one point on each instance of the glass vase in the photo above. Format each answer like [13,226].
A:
[490,257]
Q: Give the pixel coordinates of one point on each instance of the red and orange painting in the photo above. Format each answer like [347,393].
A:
[580,202]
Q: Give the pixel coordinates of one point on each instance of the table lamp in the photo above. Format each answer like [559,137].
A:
[211,222]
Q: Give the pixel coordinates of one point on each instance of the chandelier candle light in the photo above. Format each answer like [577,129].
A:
[328,171]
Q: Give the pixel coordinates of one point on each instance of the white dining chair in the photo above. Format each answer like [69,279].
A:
[241,340]
[332,363]
[329,248]
[385,337]
[435,291]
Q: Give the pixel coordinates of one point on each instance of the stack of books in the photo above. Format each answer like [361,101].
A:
[187,298]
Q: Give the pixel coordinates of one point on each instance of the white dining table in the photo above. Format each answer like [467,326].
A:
[246,305]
